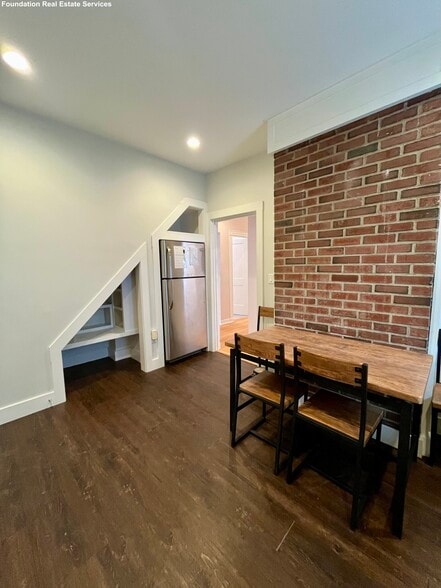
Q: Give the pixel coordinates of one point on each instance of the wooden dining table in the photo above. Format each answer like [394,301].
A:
[397,381]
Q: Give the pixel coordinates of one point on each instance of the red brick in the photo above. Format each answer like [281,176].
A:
[361,171]
[397,205]
[398,162]
[395,329]
[344,278]
[399,116]
[346,259]
[418,236]
[364,230]
[432,104]
[351,144]
[394,248]
[349,164]
[381,177]
[430,154]
[422,144]
[392,289]
[408,341]
[430,178]
[422,191]
[344,331]
[365,191]
[419,280]
[348,184]
[378,258]
[382,155]
[412,300]
[321,172]
[399,140]
[386,132]
[420,168]
[382,197]
[322,154]
[393,269]
[346,222]
[423,269]
[363,129]
[399,184]
[431,130]
[331,179]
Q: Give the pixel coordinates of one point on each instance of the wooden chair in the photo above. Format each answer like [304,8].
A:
[436,404]
[271,388]
[350,418]
[264,312]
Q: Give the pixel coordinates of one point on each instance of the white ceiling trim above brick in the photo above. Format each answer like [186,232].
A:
[408,73]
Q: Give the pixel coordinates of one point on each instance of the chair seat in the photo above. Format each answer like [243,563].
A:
[340,414]
[436,398]
[266,386]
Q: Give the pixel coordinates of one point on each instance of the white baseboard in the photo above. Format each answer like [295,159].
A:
[122,348]
[15,411]
[422,445]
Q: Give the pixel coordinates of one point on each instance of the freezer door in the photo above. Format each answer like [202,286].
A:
[185,316]
[182,259]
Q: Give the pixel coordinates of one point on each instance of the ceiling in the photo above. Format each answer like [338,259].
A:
[149,73]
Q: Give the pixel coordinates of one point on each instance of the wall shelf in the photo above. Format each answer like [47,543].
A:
[83,339]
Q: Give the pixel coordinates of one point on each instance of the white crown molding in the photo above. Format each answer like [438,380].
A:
[408,73]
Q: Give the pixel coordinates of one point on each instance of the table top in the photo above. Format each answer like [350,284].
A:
[394,372]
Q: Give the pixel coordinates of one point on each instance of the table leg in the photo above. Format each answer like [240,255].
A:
[232,384]
[402,473]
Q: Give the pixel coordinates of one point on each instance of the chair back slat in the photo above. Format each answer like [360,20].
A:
[264,312]
[261,349]
[333,369]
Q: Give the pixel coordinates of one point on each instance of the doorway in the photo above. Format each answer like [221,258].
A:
[237,270]
[239,274]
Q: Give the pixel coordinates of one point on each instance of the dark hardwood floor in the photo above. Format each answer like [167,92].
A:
[132,483]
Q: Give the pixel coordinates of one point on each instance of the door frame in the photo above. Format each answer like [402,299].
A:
[213,218]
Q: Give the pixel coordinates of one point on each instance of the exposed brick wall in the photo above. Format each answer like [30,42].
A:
[356,215]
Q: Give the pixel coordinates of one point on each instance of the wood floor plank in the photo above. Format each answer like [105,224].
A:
[133,483]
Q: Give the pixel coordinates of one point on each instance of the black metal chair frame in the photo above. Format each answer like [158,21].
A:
[279,367]
[359,391]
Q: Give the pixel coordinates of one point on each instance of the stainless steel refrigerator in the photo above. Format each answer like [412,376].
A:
[184,304]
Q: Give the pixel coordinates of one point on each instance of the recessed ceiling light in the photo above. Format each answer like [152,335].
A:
[16,60]
[193,142]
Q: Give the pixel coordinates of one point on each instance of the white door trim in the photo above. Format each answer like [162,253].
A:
[213,262]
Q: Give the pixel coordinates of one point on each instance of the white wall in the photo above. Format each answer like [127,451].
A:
[73,208]
[245,182]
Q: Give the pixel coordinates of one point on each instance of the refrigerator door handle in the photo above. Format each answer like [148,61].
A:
[170,297]
[169,261]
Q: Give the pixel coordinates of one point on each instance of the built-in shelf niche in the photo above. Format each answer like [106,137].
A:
[116,318]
